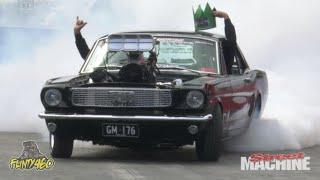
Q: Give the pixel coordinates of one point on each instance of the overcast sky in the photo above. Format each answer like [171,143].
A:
[290,27]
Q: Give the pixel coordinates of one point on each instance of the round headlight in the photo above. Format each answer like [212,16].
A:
[53,97]
[195,99]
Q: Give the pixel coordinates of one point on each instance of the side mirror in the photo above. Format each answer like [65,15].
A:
[235,70]
[247,71]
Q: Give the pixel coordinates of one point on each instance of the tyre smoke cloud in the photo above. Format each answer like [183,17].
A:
[279,36]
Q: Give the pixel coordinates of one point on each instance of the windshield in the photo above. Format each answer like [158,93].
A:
[184,53]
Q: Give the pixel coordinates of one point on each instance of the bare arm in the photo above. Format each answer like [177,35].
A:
[80,41]
[230,44]
[229,29]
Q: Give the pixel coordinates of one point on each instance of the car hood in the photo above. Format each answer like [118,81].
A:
[68,80]
[63,79]
[83,79]
[200,82]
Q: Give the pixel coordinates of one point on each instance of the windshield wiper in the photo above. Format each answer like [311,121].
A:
[113,66]
[179,68]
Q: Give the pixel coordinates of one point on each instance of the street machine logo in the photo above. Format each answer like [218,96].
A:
[281,162]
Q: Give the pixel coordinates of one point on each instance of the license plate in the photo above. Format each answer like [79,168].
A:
[120,130]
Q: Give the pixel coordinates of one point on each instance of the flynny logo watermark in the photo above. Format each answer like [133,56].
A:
[31,158]
[280,162]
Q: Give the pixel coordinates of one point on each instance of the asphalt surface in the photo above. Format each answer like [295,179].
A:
[105,162]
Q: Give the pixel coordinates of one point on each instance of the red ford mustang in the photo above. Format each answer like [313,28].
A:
[160,89]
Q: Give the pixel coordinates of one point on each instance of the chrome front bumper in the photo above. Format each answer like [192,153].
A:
[127,118]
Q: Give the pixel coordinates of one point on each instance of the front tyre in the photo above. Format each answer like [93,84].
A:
[209,145]
[61,147]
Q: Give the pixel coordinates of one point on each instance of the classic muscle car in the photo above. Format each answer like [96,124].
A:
[154,89]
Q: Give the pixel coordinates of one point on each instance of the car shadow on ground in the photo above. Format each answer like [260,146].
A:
[125,154]
[111,154]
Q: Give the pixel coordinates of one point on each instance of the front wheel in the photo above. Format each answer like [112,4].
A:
[61,147]
[209,145]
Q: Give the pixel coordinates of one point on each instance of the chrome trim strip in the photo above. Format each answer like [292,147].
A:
[218,57]
[128,118]
[121,89]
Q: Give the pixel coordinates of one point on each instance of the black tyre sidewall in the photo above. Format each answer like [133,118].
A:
[62,147]
[209,146]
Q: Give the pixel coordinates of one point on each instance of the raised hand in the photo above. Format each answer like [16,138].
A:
[79,25]
[220,14]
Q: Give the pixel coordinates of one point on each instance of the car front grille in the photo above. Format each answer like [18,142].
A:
[121,97]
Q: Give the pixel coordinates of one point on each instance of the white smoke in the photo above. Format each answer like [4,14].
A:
[279,36]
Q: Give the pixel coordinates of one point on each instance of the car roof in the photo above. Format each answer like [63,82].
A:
[199,34]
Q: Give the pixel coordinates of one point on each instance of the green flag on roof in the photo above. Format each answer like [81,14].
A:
[204,19]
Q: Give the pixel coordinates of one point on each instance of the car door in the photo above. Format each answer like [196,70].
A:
[242,95]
